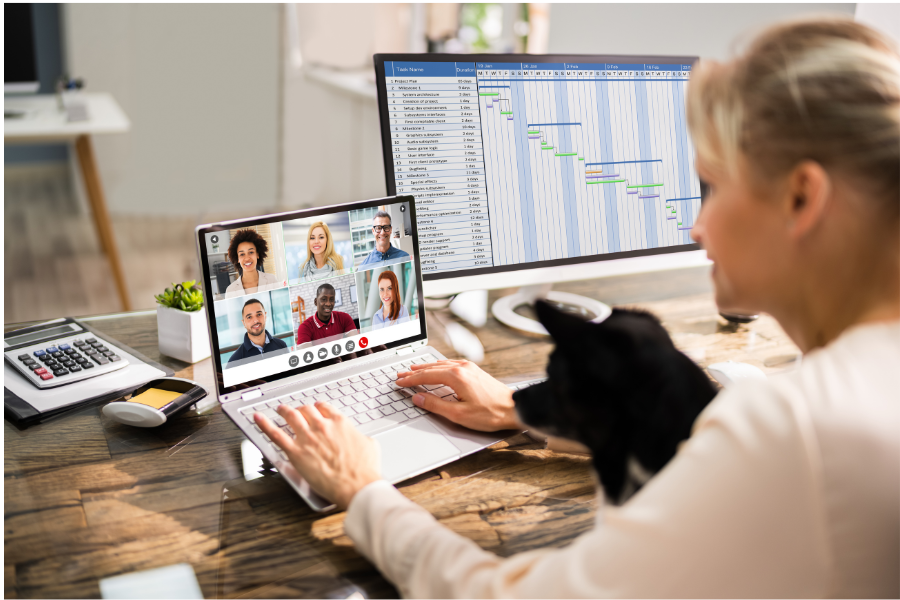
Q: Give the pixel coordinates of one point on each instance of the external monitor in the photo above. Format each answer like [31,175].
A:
[19,62]
[539,169]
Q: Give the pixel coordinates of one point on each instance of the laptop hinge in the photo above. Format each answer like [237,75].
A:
[257,393]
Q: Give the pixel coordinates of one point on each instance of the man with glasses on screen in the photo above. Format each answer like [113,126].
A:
[257,340]
[384,253]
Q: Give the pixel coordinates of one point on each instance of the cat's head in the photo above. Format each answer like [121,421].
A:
[619,387]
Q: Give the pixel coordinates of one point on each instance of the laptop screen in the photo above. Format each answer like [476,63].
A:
[293,292]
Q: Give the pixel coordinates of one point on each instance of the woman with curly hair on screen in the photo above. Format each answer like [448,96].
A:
[788,487]
[247,251]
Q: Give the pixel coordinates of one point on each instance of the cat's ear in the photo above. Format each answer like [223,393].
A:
[565,328]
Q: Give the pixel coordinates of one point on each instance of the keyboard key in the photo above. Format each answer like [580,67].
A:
[360,407]
[355,379]
[335,394]
[30,363]
[347,412]
[46,376]
[78,343]
[297,396]
[360,387]
[346,390]
[395,395]
[333,385]
[321,398]
[372,403]
[60,372]
[381,379]
[393,385]
[372,393]
[371,383]
[100,360]
[87,365]
[40,371]
[374,414]
[80,359]
[362,418]
[387,410]
[421,411]
[56,354]
[431,386]
[69,364]
[91,341]
[443,392]
[410,413]
[365,376]
[360,397]
[75,369]
[91,352]
[398,406]
[24,357]
[344,382]
[115,358]
[383,390]
[279,420]
[274,403]
[102,348]
[384,400]
[406,393]
[52,349]
[387,370]
[50,363]
[64,347]
[69,351]
[107,354]
[321,389]
[392,376]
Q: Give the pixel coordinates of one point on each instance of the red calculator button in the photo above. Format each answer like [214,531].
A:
[46,376]
[40,371]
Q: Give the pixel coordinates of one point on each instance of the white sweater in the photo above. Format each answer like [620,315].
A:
[789,487]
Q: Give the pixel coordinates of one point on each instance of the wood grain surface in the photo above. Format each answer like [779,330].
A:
[87,498]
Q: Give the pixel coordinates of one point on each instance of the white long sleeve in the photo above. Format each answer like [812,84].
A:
[788,488]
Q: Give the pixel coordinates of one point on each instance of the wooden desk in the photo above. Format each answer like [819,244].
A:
[45,123]
[87,498]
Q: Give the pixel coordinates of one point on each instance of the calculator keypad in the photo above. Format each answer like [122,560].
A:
[65,359]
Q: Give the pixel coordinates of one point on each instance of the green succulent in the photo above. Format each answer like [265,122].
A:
[186,296]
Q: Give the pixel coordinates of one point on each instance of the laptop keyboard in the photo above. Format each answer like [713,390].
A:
[372,401]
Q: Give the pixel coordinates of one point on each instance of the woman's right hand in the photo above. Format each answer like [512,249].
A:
[484,403]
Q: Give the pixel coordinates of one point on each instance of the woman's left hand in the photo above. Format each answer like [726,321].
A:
[335,459]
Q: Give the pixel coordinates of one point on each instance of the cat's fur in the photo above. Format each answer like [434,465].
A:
[619,387]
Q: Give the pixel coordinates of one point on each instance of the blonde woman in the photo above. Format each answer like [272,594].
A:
[322,261]
[789,487]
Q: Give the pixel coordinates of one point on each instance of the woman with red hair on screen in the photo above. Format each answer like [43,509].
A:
[786,488]
[392,310]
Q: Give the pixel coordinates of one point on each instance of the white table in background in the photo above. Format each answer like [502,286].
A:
[43,122]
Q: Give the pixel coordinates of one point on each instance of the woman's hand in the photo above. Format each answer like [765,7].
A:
[329,453]
[484,403]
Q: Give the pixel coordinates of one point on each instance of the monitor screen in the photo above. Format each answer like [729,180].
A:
[19,65]
[297,291]
[558,160]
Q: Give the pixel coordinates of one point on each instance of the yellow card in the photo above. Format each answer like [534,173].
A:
[155,398]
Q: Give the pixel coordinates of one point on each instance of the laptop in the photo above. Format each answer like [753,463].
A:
[336,313]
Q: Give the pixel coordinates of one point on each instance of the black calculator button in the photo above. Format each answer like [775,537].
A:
[78,343]
[50,363]
[75,368]
[100,360]
[96,344]
[115,358]
[30,362]
[70,351]
[80,359]
[87,365]
[102,348]
[90,340]
[56,355]
[24,356]
[45,358]
[59,372]
[69,364]
[90,352]
[107,354]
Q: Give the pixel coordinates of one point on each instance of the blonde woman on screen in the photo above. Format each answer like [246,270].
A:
[322,261]
[786,488]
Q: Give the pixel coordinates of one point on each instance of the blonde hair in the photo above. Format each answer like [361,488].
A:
[826,90]
[330,255]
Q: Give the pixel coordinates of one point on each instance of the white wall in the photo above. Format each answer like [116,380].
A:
[705,30]
[200,83]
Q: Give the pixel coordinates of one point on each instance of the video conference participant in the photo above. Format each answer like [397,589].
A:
[325,322]
[246,251]
[322,261]
[257,340]
[384,253]
[391,311]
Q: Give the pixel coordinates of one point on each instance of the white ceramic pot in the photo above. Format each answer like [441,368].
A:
[183,335]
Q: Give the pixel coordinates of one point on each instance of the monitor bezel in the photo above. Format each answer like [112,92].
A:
[388,159]
[200,238]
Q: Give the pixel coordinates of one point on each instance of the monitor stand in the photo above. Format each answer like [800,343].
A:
[504,309]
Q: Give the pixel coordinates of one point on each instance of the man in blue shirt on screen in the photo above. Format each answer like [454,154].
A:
[383,254]
[257,340]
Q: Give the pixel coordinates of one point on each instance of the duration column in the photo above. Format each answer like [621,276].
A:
[438,158]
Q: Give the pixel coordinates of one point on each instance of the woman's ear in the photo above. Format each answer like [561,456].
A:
[809,193]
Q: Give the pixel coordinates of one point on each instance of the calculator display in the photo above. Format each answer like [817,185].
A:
[44,334]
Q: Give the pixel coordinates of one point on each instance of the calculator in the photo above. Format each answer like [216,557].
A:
[59,352]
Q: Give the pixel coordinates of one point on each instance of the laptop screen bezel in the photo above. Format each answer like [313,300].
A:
[200,237]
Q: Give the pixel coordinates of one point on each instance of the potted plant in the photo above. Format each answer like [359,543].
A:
[181,323]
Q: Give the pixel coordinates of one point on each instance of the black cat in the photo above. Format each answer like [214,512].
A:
[619,387]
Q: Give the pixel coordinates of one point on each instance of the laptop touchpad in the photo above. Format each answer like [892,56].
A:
[413,448]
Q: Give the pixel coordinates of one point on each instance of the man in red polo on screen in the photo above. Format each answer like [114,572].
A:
[326,322]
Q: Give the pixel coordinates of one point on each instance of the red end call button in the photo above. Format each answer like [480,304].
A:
[363,342]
